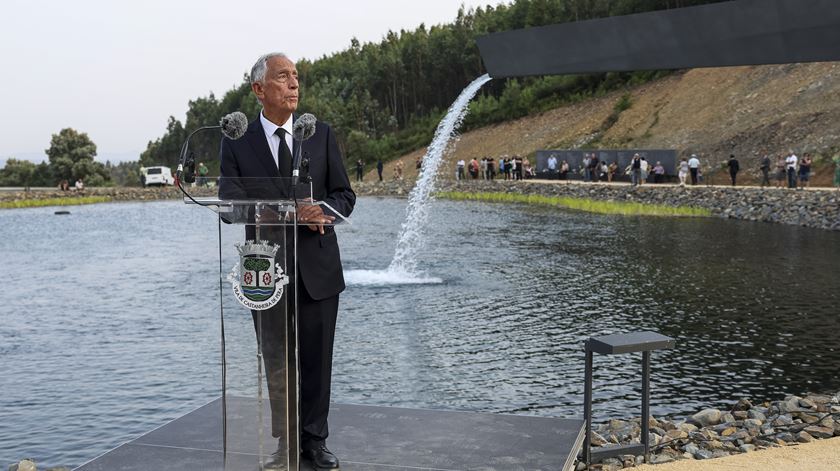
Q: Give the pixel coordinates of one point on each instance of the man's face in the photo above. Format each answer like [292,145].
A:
[278,91]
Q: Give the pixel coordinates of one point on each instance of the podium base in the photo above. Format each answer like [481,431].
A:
[367,438]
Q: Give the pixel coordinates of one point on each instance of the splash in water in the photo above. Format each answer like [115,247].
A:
[403,268]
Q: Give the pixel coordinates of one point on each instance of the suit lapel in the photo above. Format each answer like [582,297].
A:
[259,144]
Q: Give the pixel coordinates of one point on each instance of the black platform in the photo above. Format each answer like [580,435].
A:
[365,438]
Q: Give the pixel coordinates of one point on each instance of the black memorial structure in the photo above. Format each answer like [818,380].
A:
[743,32]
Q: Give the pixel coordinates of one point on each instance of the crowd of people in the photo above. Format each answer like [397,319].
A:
[784,170]
[788,170]
[509,168]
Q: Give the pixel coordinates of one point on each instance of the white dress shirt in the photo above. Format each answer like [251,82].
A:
[273,139]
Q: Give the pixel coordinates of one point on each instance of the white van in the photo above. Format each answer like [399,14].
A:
[157,176]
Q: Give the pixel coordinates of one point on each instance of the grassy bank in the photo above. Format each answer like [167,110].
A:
[34,203]
[581,204]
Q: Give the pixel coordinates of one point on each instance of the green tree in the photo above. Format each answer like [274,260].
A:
[25,173]
[257,265]
[384,98]
[71,155]
[124,173]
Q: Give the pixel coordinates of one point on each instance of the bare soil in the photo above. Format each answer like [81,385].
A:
[713,112]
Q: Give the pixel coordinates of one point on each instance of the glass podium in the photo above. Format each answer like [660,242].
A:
[260,366]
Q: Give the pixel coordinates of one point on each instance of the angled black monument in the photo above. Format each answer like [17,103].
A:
[743,32]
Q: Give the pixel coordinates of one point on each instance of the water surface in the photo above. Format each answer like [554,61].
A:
[110,323]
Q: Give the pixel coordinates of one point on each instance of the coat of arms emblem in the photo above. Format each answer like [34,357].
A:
[258,280]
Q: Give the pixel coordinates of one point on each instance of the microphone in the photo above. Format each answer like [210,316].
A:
[302,129]
[233,126]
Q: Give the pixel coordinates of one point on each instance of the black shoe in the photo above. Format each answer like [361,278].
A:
[277,462]
[321,458]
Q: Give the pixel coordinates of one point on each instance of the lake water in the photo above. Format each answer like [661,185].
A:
[109,316]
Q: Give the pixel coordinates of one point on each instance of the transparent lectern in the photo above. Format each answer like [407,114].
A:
[260,412]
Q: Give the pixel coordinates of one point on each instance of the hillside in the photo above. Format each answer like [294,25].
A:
[711,112]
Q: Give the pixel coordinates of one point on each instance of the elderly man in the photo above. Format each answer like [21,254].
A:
[265,151]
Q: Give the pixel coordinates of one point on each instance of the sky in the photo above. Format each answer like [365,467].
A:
[118,69]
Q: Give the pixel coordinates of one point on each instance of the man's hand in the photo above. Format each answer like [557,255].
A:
[313,216]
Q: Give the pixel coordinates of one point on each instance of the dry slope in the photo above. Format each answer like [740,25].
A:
[711,112]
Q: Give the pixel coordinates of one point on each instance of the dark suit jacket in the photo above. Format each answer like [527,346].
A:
[319,261]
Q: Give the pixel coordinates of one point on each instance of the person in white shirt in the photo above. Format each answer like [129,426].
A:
[790,164]
[459,175]
[683,171]
[694,168]
[552,166]
[645,167]
[80,185]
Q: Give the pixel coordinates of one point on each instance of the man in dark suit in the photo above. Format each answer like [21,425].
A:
[260,153]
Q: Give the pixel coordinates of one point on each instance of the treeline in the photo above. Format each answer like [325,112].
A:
[71,157]
[385,99]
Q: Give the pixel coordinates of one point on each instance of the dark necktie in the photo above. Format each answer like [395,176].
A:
[284,155]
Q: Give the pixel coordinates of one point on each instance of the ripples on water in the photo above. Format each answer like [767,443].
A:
[110,323]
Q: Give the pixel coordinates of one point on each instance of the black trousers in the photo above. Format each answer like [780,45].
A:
[316,335]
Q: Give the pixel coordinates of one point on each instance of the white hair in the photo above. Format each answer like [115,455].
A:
[259,68]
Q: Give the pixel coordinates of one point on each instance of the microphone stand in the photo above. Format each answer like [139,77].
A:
[185,149]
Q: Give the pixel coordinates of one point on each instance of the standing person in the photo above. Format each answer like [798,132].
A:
[418,163]
[805,171]
[491,168]
[605,171]
[379,167]
[734,167]
[552,166]
[645,169]
[503,167]
[473,168]
[611,170]
[399,169]
[658,173]
[517,165]
[635,170]
[780,171]
[459,169]
[594,167]
[360,170]
[836,161]
[202,174]
[694,168]
[790,164]
[564,170]
[482,165]
[587,174]
[265,151]
[765,170]
[683,171]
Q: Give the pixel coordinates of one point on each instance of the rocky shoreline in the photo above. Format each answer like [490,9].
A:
[713,433]
[812,208]
[114,193]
